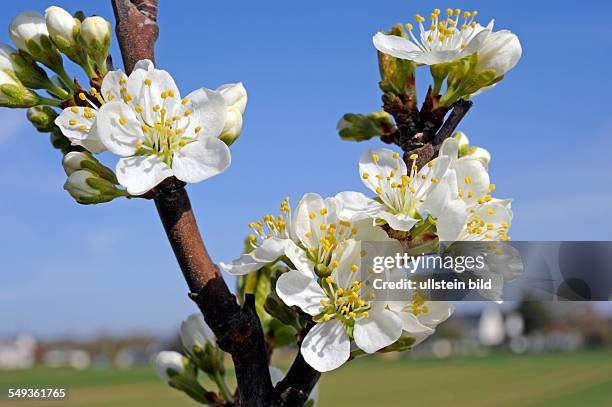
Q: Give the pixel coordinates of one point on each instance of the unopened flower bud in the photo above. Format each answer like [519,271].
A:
[475,152]
[235,95]
[233,126]
[87,188]
[180,373]
[199,341]
[169,363]
[83,160]
[29,32]
[63,30]
[500,52]
[61,142]
[22,66]
[359,127]
[43,118]
[95,38]
[14,94]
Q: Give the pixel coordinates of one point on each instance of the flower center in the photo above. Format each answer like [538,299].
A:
[345,304]
[271,226]
[450,33]
[325,236]
[401,192]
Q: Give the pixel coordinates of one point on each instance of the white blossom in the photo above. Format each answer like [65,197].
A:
[439,40]
[402,197]
[143,119]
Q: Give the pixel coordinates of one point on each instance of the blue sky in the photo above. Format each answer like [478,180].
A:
[69,269]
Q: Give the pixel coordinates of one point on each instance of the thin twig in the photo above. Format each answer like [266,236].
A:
[460,109]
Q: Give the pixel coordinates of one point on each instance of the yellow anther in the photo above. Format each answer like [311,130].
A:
[323,211]
[170,93]
[379,190]
[414,156]
[457,11]
[449,11]
[352,314]
[468,180]
[334,264]
[470,194]
[312,215]
[488,236]
[360,303]
[147,82]
[322,226]
[326,317]
[329,280]
[396,155]
[430,37]
[375,158]
[122,120]
[82,128]
[72,122]
[323,302]
[185,101]
[490,211]
[82,96]
[197,129]
[436,11]
[339,291]
[473,24]
[505,225]
[474,13]
[434,180]
[354,268]
[409,27]
[380,177]
[419,18]
[365,175]
[466,14]
[354,231]
[365,314]
[156,108]
[74,109]
[164,94]
[491,187]
[308,234]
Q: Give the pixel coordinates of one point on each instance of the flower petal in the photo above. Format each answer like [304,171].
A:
[149,85]
[201,159]
[80,129]
[356,206]
[382,328]
[294,288]
[438,312]
[118,128]
[396,46]
[326,346]
[385,164]
[452,220]
[112,84]
[207,113]
[472,178]
[140,174]
[268,252]
[299,258]
[398,221]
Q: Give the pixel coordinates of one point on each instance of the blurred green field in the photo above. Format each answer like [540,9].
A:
[581,379]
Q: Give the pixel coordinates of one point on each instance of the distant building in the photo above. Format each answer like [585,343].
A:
[19,354]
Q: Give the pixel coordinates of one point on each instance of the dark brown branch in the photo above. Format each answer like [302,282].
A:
[237,329]
[137,30]
[460,109]
[295,388]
